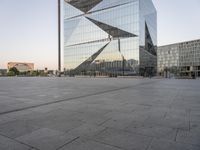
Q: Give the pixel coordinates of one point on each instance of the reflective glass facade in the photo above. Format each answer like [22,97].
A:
[110,37]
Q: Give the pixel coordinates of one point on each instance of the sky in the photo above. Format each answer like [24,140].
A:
[28,28]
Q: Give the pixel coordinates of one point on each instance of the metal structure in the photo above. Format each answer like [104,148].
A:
[59,37]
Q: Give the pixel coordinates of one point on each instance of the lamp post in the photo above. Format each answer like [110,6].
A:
[59,37]
[123,60]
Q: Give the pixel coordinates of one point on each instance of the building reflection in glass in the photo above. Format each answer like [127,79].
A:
[110,37]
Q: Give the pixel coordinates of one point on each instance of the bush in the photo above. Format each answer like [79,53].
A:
[11,73]
[14,70]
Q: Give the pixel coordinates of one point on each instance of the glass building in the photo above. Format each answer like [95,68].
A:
[180,59]
[110,37]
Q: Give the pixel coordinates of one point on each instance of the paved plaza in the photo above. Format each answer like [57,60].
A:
[99,114]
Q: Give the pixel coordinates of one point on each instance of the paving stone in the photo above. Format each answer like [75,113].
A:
[106,113]
[46,109]
[63,125]
[5,119]
[170,122]
[91,118]
[8,100]
[88,145]
[17,128]
[133,116]
[124,140]
[9,144]
[121,123]
[152,130]
[46,139]
[5,108]
[168,145]
[86,130]
[23,115]
[58,120]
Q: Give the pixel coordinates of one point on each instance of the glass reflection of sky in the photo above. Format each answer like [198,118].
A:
[83,38]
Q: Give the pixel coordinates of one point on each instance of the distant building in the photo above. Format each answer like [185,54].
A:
[3,72]
[180,59]
[110,37]
[21,66]
[45,70]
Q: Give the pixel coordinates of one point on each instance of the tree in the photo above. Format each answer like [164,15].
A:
[10,73]
[14,70]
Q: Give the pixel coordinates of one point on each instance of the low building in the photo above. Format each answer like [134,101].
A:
[3,72]
[21,66]
[180,59]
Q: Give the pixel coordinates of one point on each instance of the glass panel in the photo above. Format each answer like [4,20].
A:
[71,11]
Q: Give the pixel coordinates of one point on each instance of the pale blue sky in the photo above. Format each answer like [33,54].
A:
[28,28]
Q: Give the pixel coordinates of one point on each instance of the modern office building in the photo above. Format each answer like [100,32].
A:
[21,67]
[110,37]
[181,59]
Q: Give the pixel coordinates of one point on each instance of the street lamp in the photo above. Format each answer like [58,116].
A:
[123,60]
[59,37]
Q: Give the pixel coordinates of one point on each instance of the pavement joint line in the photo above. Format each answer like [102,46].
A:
[96,134]
[100,124]
[126,131]
[136,133]
[71,141]
[107,144]
[13,139]
[74,98]
[152,137]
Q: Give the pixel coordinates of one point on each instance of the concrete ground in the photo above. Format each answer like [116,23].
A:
[99,114]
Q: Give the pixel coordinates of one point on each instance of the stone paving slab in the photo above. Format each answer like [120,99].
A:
[98,114]
[89,145]
[9,144]
[169,145]
[17,128]
[123,140]
[152,130]
[46,139]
